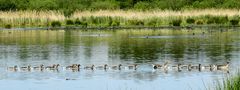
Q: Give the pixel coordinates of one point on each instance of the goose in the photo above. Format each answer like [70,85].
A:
[164,66]
[24,68]
[102,67]
[213,67]
[190,67]
[41,67]
[134,66]
[53,67]
[89,67]
[117,66]
[14,68]
[208,67]
[73,66]
[223,67]
[178,66]
[156,66]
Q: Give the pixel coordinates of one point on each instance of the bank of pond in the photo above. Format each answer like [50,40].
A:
[113,22]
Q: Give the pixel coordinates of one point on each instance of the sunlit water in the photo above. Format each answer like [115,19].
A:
[142,47]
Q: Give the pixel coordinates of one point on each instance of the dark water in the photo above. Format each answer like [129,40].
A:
[142,47]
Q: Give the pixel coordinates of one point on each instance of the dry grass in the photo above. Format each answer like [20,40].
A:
[158,13]
[52,15]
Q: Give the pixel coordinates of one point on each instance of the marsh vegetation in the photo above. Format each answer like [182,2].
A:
[108,18]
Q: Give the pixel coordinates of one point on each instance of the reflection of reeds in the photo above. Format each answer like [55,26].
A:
[108,18]
[230,83]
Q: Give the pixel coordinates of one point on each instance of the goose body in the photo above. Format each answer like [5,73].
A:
[14,68]
[26,68]
[53,67]
[102,67]
[41,67]
[134,66]
[223,67]
[73,66]
[198,67]
[178,66]
[116,66]
[89,67]
[156,66]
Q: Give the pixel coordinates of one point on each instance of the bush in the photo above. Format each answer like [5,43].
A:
[199,22]
[78,22]
[69,22]
[234,21]
[8,26]
[190,20]
[176,22]
[56,24]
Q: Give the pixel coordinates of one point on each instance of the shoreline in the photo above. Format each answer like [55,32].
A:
[192,27]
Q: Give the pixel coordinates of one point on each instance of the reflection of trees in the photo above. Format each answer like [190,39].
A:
[139,50]
[177,48]
[219,47]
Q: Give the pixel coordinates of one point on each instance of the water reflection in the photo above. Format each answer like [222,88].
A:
[125,47]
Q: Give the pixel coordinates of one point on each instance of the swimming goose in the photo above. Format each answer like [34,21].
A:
[213,67]
[24,68]
[39,67]
[102,67]
[223,67]
[73,66]
[89,67]
[178,66]
[117,66]
[14,68]
[156,66]
[134,66]
[190,67]
[53,67]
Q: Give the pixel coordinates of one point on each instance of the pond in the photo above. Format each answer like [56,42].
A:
[113,47]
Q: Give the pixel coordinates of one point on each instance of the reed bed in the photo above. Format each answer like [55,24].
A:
[157,13]
[108,18]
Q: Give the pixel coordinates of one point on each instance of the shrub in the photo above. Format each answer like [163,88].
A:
[220,19]
[199,22]
[190,20]
[176,22]
[234,21]
[78,22]
[69,22]
[56,24]
[8,26]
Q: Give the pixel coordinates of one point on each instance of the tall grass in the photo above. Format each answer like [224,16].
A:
[230,83]
[112,18]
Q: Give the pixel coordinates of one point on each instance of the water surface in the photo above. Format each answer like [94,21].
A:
[98,47]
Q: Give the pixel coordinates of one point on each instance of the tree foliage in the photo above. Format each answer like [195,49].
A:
[115,4]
